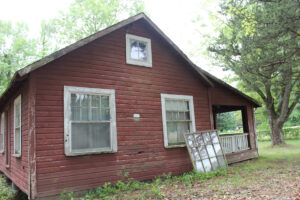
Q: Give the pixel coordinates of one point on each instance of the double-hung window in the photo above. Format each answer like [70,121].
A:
[2,147]
[17,127]
[138,51]
[90,121]
[178,118]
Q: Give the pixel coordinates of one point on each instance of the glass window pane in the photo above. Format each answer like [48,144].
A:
[182,127]
[90,136]
[85,114]
[169,115]
[105,114]
[214,137]
[85,100]
[75,99]
[96,114]
[143,51]
[218,149]
[221,161]
[182,105]
[203,152]
[210,150]
[134,50]
[95,101]
[175,116]
[214,163]
[182,116]
[171,105]
[172,132]
[17,141]
[105,101]
[75,113]
[206,165]
[199,166]
[195,153]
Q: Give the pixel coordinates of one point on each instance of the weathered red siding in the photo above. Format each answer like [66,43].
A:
[18,167]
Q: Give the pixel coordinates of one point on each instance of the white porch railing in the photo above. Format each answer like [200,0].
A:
[234,143]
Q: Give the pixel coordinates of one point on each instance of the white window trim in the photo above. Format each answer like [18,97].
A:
[18,100]
[165,97]
[129,60]
[3,129]
[67,120]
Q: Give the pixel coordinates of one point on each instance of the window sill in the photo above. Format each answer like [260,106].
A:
[89,152]
[17,155]
[139,63]
[175,146]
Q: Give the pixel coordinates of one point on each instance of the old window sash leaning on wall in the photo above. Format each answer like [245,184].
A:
[18,127]
[3,129]
[90,121]
[178,118]
[205,150]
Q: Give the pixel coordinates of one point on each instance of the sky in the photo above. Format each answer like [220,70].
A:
[174,17]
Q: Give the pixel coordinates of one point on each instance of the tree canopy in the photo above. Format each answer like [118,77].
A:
[259,41]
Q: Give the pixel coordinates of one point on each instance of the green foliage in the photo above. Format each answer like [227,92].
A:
[86,17]
[6,192]
[288,133]
[229,121]
[66,195]
[16,50]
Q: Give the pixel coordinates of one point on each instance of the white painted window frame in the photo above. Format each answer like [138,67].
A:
[129,60]
[68,90]
[165,97]
[3,129]
[18,100]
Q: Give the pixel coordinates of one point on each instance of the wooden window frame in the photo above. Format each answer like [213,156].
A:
[18,100]
[68,90]
[3,129]
[165,97]
[129,60]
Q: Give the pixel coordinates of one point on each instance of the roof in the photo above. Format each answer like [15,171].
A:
[22,73]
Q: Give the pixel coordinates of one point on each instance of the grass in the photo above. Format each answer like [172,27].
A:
[275,174]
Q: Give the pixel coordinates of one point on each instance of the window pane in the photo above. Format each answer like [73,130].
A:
[210,150]
[172,132]
[105,101]
[203,152]
[134,50]
[207,165]
[171,105]
[90,136]
[214,162]
[105,114]
[2,132]
[195,153]
[85,114]
[95,101]
[221,161]
[182,105]
[182,127]
[96,114]
[85,100]
[75,99]
[169,115]
[75,113]
[143,51]
[199,166]
[17,141]
[218,149]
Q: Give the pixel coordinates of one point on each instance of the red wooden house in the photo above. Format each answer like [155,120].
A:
[116,101]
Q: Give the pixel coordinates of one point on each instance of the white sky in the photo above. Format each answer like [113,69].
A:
[174,17]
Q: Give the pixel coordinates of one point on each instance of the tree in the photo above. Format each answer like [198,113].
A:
[16,50]
[259,42]
[86,17]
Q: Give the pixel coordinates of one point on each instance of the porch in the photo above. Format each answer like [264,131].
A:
[238,142]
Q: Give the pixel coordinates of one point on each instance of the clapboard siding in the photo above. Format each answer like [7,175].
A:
[18,167]
[102,64]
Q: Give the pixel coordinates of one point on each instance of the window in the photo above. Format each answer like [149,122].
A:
[178,118]
[2,133]
[17,127]
[138,51]
[90,121]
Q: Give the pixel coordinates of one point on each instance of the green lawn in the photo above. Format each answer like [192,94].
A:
[274,175]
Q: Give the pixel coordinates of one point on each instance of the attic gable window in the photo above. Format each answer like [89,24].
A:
[90,121]
[178,118]
[138,51]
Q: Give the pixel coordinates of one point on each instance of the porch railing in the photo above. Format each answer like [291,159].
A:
[233,143]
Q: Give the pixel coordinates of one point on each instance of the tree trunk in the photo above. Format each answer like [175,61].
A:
[276,133]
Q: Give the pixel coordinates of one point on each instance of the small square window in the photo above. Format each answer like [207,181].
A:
[138,51]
